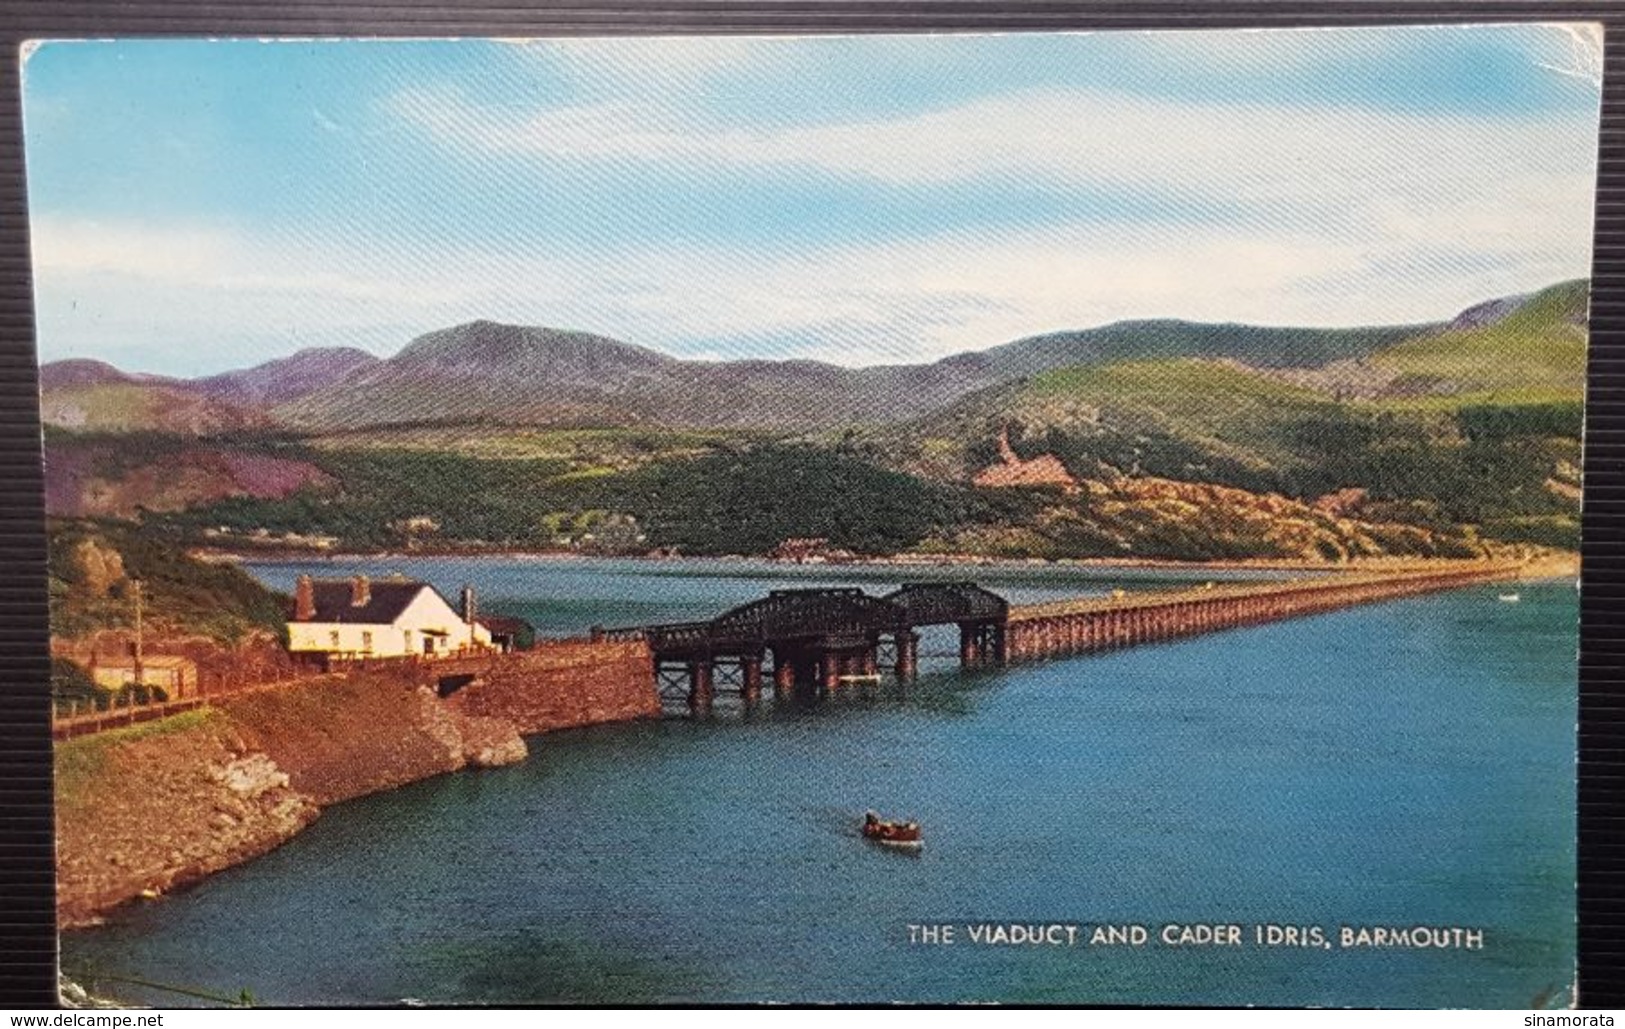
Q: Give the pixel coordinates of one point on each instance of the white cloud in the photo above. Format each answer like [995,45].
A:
[215,259]
[1376,185]
[1223,151]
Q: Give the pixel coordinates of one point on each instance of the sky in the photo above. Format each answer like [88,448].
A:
[203,205]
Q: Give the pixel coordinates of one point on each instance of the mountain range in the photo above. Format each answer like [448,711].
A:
[1152,438]
[521,375]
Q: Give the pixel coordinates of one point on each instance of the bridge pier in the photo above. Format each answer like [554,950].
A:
[750,678]
[982,643]
[784,673]
[858,663]
[701,692]
[969,656]
[908,655]
[840,662]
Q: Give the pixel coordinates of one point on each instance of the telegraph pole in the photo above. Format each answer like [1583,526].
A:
[135,585]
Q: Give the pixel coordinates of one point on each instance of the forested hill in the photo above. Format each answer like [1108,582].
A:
[95,568]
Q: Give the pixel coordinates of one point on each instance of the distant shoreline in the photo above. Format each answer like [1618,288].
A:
[1558,564]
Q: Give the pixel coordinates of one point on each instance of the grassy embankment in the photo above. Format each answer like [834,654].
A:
[82,763]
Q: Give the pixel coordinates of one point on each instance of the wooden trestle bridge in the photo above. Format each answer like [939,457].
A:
[820,639]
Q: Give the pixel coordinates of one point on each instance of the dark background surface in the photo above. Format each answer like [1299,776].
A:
[27,929]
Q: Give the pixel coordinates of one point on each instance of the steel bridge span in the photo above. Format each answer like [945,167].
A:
[813,641]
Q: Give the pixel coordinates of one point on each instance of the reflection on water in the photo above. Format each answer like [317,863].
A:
[1398,764]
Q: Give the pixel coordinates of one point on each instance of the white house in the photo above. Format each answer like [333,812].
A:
[392,618]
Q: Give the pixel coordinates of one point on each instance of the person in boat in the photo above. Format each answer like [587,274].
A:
[874,827]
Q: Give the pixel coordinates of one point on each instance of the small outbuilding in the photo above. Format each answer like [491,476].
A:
[509,634]
[172,673]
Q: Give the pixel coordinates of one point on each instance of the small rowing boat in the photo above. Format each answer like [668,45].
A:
[903,835]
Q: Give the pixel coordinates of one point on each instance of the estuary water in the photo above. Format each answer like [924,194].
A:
[1409,763]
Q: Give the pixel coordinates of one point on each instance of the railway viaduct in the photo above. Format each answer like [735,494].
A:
[817,640]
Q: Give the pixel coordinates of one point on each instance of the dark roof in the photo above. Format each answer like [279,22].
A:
[937,603]
[503,624]
[388,599]
[785,614]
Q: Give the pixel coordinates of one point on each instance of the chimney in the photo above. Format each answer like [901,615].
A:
[468,604]
[360,591]
[304,600]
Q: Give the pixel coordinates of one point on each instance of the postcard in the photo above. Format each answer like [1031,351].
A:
[1042,518]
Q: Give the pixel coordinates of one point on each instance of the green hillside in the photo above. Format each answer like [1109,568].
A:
[731,501]
[514,375]
[1160,339]
[93,568]
[585,451]
[137,407]
[749,500]
[1182,419]
[1535,354]
[1481,426]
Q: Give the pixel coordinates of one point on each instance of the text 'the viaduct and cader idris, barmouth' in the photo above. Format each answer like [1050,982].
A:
[812,641]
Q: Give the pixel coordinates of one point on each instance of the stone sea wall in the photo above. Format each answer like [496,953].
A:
[564,685]
[145,809]
[346,736]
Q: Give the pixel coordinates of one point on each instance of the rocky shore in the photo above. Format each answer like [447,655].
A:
[146,809]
